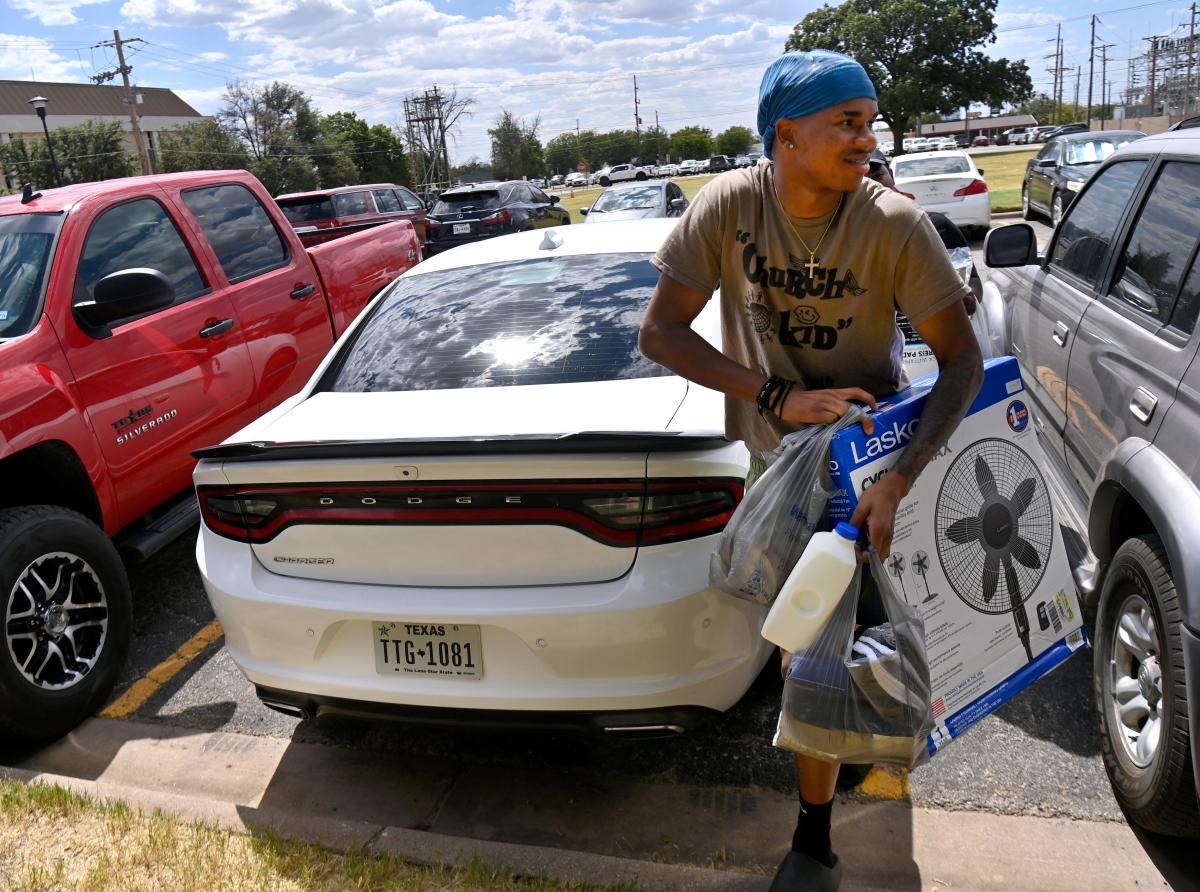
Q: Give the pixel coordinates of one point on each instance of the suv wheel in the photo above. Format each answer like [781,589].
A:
[1026,210]
[1141,691]
[605,181]
[1057,208]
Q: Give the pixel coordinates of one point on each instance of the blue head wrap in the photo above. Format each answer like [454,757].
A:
[798,84]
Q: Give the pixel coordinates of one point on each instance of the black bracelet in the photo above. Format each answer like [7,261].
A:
[763,400]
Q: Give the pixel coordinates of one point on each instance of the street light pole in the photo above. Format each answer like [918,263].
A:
[39,105]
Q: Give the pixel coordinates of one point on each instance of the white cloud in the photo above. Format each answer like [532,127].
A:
[52,12]
[213,56]
[19,55]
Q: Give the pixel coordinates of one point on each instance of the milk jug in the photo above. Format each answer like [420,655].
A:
[813,589]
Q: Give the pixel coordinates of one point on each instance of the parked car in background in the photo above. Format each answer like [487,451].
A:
[311,213]
[140,319]
[1041,132]
[688,166]
[619,173]
[634,201]
[742,161]
[576,178]
[981,140]
[1016,136]
[557,180]
[484,210]
[947,182]
[1065,129]
[1104,325]
[667,170]
[720,163]
[586,600]
[1058,172]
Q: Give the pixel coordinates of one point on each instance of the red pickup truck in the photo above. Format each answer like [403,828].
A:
[140,319]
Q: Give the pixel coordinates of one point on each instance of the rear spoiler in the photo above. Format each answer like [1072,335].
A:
[584,441]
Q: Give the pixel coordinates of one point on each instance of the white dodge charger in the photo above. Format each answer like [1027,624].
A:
[488,506]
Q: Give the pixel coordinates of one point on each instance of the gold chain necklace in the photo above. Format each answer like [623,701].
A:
[811,266]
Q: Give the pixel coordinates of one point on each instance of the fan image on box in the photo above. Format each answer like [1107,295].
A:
[895,566]
[920,566]
[993,514]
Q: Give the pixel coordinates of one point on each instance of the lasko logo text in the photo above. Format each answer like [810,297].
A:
[897,435]
[1017,416]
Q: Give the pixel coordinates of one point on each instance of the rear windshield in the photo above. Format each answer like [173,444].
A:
[548,320]
[1093,151]
[928,167]
[307,210]
[466,201]
[26,241]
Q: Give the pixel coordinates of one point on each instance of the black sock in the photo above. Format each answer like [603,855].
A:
[812,832]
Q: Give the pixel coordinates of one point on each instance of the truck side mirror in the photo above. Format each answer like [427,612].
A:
[554,199]
[125,293]
[1013,245]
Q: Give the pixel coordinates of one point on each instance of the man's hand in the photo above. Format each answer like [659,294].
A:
[825,406]
[877,509]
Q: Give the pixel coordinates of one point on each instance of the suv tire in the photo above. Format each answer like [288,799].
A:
[1139,672]
[63,590]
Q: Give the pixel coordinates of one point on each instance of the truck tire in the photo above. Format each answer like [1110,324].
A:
[641,175]
[605,182]
[66,613]
[1141,691]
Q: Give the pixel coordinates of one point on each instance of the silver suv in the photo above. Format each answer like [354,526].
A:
[1104,325]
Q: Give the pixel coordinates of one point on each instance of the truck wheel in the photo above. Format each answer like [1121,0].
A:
[1026,210]
[605,182]
[66,613]
[641,175]
[1057,209]
[1141,691]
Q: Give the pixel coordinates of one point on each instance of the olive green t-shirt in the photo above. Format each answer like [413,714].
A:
[833,328]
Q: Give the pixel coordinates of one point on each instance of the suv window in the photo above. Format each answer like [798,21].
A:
[538,195]
[1162,242]
[547,320]
[387,202]
[300,211]
[1086,233]
[138,233]
[240,230]
[348,204]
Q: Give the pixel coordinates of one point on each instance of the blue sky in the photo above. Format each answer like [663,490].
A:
[697,61]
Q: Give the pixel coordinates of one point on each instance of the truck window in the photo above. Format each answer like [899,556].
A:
[138,233]
[1162,242]
[26,241]
[350,204]
[240,230]
[1082,243]
[387,202]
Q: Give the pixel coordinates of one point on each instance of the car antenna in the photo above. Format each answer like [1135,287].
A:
[27,193]
[551,241]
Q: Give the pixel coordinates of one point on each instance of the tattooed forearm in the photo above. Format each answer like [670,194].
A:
[958,381]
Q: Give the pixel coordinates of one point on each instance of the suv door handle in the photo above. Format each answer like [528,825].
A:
[1060,334]
[303,291]
[216,328]
[1142,405]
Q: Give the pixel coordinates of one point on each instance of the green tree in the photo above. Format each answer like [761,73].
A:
[516,149]
[615,147]
[656,145]
[735,141]
[375,150]
[473,170]
[202,145]
[88,153]
[692,142]
[562,153]
[921,56]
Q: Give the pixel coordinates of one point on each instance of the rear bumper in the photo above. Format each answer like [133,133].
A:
[972,210]
[655,639]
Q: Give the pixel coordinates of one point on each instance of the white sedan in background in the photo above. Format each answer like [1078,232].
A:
[488,506]
[947,182]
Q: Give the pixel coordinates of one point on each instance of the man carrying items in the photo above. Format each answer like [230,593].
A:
[812,261]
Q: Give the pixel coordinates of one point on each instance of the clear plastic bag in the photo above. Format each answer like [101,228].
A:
[861,699]
[778,515]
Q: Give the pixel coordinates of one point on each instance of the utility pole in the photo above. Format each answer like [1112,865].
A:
[1057,71]
[1104,82]
[135,124]
[1078,72]
[1187,99]
[1153,75]
[657,140]
[1091,70]
[637,120]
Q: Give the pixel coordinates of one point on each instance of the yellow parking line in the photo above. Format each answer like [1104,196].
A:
[145,688]
[882,783]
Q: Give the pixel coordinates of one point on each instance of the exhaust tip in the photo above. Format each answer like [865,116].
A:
[643,732]
[288,709]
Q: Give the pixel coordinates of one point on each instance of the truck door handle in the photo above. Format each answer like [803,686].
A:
[216,328]
[1060,334]
[303,291]
[1142,405]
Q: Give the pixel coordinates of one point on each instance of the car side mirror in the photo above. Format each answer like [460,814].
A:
[1007,246]
[980,169]
[678,204]
[125,293]
[1045,162]
[554,199]
[583,212]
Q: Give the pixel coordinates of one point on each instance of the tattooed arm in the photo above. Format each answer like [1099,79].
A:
[960,374]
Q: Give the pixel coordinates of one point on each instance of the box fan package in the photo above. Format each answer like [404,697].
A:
[977,548]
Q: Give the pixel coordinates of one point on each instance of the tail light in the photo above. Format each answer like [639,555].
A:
[620,513]
[498,217]
[975,187]
[432,223]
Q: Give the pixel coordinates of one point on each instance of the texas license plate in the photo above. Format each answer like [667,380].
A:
[436,650]
[462,228]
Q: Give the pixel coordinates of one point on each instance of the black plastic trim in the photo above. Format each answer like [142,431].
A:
[584,441]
